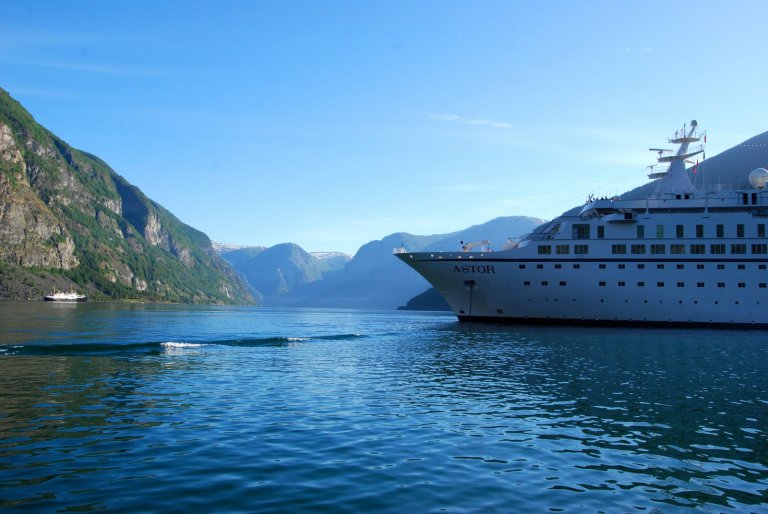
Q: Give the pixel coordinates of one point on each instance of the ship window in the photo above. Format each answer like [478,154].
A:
[600,231]
[720,230]
[601,266]
[601,283]
[527,283]
[580,231]
[754,198]
[659,231]
[619,249]
[745,198]
[761,266]
[659,284]
[740,230]
[721,284]
[621,284]
[641,266]
[577,266]
[638,249]
[699,230]
[761,285]
[760,248]
[717,249]
[641,284]
[761,230]
[539,266]
[622,266]
[558,266]
[562,282]
[581,249]
[698,249]
[739,248]
[742,266]
[721,266]
[699,284]
[545,249]
[544,283]
[699,266]
[659,266]
[677,249]
[563,249]
[681,284]
[681,266]
[742,284]
[521,266]
[640,231]
[657,249]
[679,230]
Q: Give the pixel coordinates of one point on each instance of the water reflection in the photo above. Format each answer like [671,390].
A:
[681,413]
[378,412]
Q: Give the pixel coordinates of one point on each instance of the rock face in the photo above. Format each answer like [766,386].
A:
[67,218]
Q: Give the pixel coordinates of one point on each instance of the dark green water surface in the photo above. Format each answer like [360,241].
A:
[200,409]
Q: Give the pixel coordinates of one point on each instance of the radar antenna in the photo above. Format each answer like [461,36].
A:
[678,158]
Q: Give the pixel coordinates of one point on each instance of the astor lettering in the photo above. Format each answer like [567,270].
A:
[473,268]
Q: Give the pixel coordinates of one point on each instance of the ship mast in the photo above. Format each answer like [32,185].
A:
[675,179]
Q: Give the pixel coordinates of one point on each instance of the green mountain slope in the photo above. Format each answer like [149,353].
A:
[67,218]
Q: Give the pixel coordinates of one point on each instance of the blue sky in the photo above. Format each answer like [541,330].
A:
[333,123]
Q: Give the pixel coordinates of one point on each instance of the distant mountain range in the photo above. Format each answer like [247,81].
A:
[275,272]
[67,219]
[286,275]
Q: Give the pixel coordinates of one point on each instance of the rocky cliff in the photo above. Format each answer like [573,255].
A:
[67,218]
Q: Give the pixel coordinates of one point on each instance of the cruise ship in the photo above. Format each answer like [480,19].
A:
[678,257]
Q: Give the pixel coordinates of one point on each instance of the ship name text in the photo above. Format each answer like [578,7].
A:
[471,268]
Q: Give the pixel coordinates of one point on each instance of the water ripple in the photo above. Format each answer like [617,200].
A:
[385,413]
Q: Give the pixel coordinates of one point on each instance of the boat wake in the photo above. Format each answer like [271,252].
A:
[161,347]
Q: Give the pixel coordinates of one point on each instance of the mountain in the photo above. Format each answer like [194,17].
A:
[66,218]
[429,300]
[374,279]
[276,271]
[334,260]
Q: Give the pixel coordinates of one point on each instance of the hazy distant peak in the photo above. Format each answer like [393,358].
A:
[324,256]
[226,247]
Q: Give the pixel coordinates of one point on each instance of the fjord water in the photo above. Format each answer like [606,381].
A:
[147,408]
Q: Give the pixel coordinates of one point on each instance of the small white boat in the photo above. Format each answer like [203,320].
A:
[61,296]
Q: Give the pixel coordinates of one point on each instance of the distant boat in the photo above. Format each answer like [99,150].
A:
[61,296]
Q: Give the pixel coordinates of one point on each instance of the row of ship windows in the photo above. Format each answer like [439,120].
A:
[582,231]
[602,283]
[661,249]
[642,266]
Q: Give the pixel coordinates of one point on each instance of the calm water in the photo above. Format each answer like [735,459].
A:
[185,409]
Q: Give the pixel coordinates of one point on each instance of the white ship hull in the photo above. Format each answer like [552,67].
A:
[494,287]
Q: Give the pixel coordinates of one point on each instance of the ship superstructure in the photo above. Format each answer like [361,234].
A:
[678,256]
